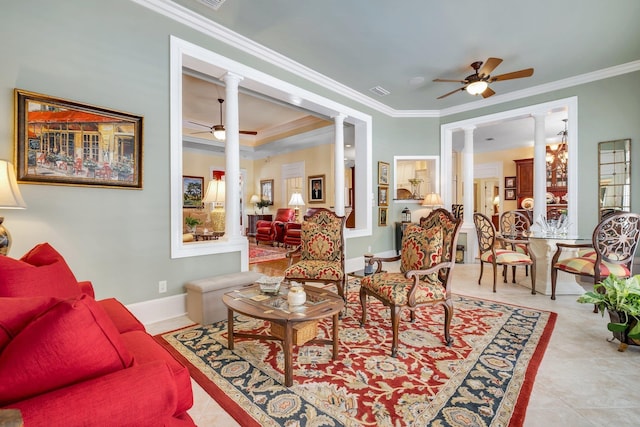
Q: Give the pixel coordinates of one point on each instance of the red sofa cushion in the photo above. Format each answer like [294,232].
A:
[21,279]
[145,349]
[18,312]
[73,340]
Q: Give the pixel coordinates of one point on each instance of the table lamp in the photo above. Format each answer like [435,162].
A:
[432,200]
[296,201]
[255,199]
[10,198]
[215,196]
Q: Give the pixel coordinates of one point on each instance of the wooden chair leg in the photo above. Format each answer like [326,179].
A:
[495,276]
[481,271]
[513,274]
[395,323]
[363,305]
[554,277]
[448,315]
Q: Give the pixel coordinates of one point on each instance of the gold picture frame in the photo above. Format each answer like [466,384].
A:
[383,195]
[266,190]
[382,217]
[383,173]
[316,188]
[65,142]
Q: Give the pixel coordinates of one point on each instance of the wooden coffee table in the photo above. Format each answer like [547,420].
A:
[274,308]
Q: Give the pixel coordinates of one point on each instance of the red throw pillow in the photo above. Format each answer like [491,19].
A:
[71,342]
[16,313]
[21,279]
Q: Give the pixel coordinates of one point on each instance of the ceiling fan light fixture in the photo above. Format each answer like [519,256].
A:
[476,88]
[219,132]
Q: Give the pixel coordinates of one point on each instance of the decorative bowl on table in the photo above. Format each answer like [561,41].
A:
[270,285]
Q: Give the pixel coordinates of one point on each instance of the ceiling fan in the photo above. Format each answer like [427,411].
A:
[218,131]
[478,83]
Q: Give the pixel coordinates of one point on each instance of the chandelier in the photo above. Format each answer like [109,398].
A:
[557,155]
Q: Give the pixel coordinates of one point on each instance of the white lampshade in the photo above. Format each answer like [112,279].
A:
[215,192]
[296,200]
[476,88]
[254,199]
[10,197]
[432,200]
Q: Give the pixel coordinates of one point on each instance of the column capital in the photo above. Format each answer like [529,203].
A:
[339,117]
[230,77]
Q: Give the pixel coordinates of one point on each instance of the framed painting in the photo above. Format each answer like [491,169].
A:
[383,173]
[383,195]
[192,191]
[382,217]
[266,190]
[509,182]
[316,189]
[510,194]
[65,142]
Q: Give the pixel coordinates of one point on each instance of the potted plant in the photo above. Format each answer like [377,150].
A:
[621,298]
[262,204]
[191,223]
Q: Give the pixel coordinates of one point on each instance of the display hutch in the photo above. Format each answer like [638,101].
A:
[556,179]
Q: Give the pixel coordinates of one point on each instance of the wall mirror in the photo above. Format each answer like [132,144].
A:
[415,176]
[614,176]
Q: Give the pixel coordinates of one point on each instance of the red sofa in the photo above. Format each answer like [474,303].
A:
[273,231]
[67,359]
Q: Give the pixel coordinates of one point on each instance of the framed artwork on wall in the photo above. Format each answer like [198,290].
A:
[510,194]
[383,173]
[382,217]
[383,195]
[509,182]
[192,191]
[266,190]
[316,189]
[68,143]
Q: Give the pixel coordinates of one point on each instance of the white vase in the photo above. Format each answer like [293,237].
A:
[296,296]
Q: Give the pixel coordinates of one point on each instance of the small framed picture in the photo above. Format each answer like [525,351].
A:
[316,189]
[509,182]
[383,173]
[382,217]
[266,190]
[192,191]
[383,195]
[509,193]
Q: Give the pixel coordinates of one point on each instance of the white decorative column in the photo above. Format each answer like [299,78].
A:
[232,157]
[467,167]
[339,164]
[539,167]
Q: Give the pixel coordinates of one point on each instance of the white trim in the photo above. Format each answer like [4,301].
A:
[199,23]
[157,310]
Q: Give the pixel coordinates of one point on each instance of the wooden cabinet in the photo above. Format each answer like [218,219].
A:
[556,183]
[524,179]
[252,219]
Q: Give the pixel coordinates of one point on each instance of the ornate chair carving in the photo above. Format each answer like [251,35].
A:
[426,261]
[611,251]
[490,254]
[273,231]
[321,251]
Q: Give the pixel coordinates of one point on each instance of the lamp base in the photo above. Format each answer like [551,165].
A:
[5,239]
[218,220]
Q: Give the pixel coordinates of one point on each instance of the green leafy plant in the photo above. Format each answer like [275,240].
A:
[262,204]
[618,295]
[191,222]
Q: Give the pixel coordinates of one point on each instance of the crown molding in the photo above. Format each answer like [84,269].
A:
[199,23]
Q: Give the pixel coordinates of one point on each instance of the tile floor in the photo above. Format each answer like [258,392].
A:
[583,380]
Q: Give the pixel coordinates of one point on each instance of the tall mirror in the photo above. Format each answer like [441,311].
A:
[614,176]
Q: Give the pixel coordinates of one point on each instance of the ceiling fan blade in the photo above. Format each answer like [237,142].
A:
[450,93]
[204,131]
[200,124]
[515,75]
[489,66]
[488,92]
[248,132]
[450,81]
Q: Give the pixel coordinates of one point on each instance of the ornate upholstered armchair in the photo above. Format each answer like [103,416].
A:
[490,254]
[273,231]
[321,251]
[426,261]
[611,251]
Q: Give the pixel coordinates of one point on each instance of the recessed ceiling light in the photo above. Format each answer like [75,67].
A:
[348,145]
[416,81]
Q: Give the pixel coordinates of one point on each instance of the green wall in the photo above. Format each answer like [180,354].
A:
[116,55]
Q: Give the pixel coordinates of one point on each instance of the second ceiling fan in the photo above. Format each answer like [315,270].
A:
[478,83]
[218,131]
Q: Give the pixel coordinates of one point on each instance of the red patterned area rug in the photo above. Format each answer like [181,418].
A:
[485,378]
[262,253]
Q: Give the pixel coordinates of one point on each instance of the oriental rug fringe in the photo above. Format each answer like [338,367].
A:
[484,379]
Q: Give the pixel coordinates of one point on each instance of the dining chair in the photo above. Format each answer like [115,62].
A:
[321,252]
[611,251]
[516,225]
[426,260]
[494,250]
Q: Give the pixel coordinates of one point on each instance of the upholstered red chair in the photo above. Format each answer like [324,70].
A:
[292,232]
[273,231]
